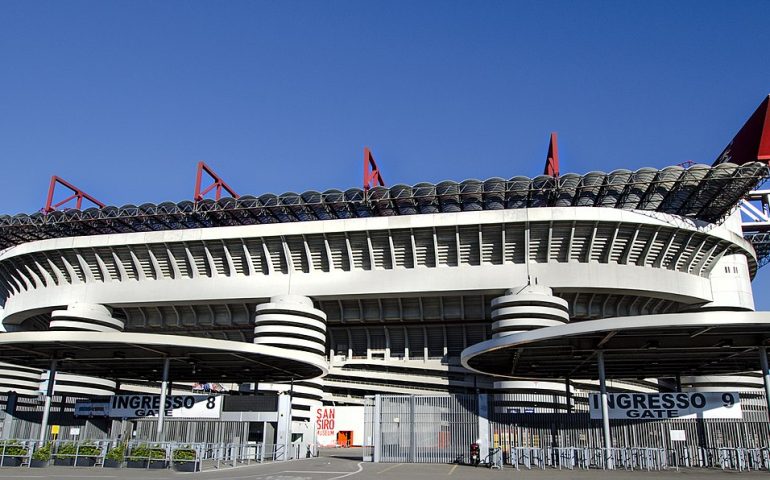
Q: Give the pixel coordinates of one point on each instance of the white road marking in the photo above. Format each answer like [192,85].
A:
[390,468]
[360,468]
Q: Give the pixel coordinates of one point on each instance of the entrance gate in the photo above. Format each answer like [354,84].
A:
[415,429]
[440,429]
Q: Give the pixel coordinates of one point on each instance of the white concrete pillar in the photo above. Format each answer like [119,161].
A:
[163,393]
[605,411]
[47,406]
[765,376]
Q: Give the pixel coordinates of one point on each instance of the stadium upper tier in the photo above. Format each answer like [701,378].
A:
[699,192]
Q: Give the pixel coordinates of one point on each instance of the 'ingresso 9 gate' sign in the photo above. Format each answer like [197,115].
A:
[650,406]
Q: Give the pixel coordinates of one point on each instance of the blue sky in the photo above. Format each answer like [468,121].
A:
[122,98]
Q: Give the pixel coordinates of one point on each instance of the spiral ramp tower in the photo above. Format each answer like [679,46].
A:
[521,309]
[83,317]
[87,318]
[292,322]
[29,382]
[24,381]
[527,308]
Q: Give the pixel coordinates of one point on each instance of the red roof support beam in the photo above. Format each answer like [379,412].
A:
[372,175]
[218,184]
[752,142]
[552,160]
[76,194]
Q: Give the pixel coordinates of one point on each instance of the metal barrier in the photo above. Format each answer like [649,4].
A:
[739,459]
[584,458]
[636,458]
[495,459]
[527,457]
[147,455]
[11,452]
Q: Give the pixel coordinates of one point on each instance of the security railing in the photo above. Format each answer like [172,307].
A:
[149,455]
[16,452]
[636,458]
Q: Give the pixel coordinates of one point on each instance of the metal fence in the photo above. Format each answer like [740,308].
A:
[154,455]
[29,413]
[432,429]
[440,429]
[192,430]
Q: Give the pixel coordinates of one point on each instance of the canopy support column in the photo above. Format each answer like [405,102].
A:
[605,412]
[163,394]
[765,376]
[47,407]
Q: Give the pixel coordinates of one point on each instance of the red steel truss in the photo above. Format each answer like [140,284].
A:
[76,194]
[219,184]
[372,175]
[752,142]
[552,160]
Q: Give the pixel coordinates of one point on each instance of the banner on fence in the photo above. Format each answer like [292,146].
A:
[133,406]
[652,406]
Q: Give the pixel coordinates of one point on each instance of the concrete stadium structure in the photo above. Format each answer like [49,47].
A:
[408,289]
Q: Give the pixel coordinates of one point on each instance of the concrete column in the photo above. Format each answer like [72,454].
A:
[765,376]
[483,410]
[10,414]
[47,407]
[605,410]
[163,393]
[283,432]
[290,421]
[568,409]
[376,422]
[412,429]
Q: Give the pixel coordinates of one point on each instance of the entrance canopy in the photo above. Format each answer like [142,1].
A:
[141,355]
[697,343]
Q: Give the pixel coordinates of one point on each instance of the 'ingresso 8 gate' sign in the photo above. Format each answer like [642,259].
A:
[650,406]
[132,406]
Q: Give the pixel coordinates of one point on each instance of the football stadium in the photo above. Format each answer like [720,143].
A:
[597,319]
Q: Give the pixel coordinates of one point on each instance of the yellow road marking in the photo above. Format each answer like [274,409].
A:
[452,470]
[390,467]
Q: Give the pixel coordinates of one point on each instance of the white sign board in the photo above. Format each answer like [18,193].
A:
[326,426]
[651,406]
[177,406]
[678,435]
[339,426]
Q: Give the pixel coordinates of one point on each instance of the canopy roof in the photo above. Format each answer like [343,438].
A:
[694,343]
[700,192]
[140,355]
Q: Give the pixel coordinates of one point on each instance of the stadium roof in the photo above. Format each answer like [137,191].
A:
[701,192]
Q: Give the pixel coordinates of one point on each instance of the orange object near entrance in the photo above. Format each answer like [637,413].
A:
[344,438]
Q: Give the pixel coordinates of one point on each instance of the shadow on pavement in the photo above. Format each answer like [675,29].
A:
[354,453]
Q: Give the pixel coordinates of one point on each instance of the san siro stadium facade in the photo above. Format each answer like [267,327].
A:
[424,289]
